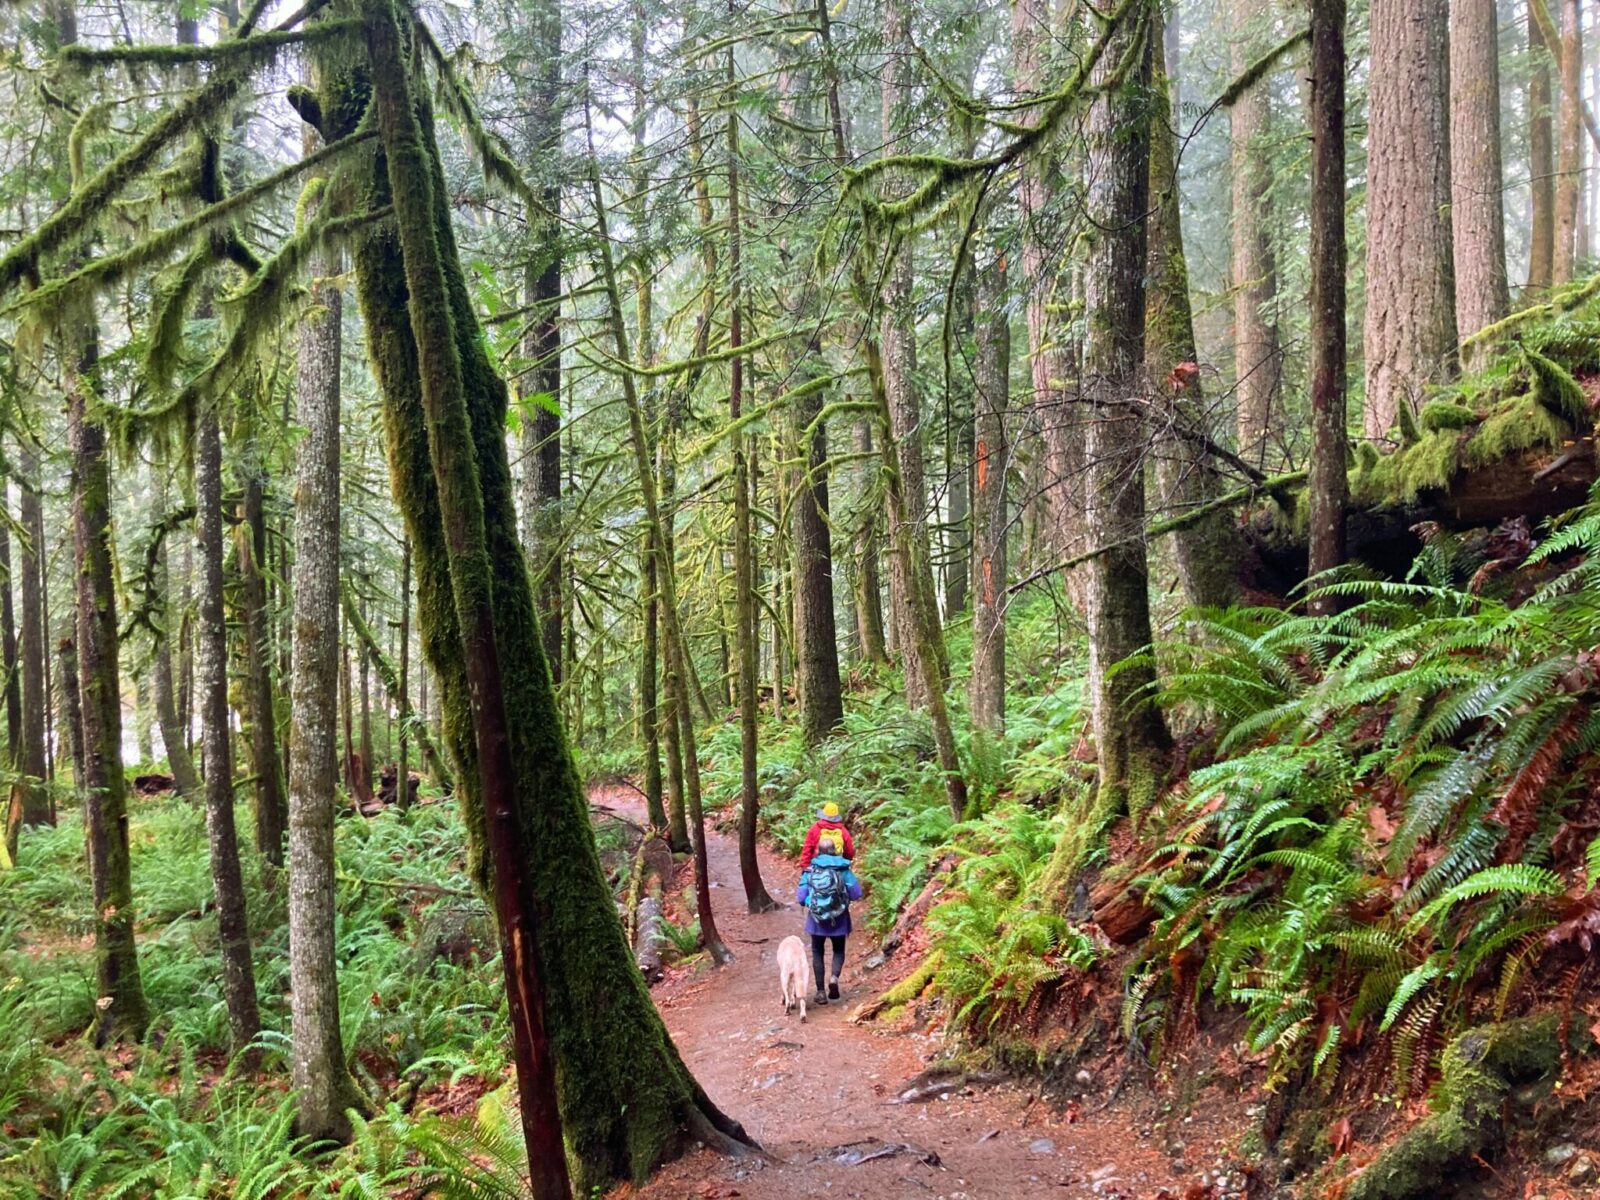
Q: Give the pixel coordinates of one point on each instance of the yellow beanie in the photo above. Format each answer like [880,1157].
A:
[830,811]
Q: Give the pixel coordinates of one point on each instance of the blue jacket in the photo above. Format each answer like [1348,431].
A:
[852,886]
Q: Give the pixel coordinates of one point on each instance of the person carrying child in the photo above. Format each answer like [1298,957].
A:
[826,888]
[828,822]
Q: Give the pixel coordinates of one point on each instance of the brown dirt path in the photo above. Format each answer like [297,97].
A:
[808,1091]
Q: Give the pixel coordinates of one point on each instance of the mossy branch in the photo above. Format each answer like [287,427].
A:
[491,149]
[258,49]
[1254,73]
[948,172]
[111,270]
[1563,302]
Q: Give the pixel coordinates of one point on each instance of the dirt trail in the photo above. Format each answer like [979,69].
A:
[812,1093]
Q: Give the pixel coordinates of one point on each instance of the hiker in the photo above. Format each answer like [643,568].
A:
[826,888]
[828,821]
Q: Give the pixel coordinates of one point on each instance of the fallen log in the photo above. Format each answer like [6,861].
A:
[648,939]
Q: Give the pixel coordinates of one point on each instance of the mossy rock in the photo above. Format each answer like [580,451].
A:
[1479,1068]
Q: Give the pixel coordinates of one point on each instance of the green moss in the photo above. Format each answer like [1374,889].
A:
[1522,423]
[1439,416]
[1556,389]
[1406,423]
[1479,1067]
[1400,477]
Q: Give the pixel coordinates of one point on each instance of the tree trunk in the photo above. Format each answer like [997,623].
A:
[816,639]
[402,771]
[625,1096]
[72,714]
[101,781]
[233,925]
[1329,480]
[1207,550]
[674,672]
[8,634]
[991,463]
[1055,413]
[1257,358]
[1130,737]
[868,580]
[1569,143]
[30,799]
[1410,331]
[174,739]
[1477,214]
[1541,162]
[910,576]
[437,768]
[250,541]
[319,1073]
[461,521]
[744,564]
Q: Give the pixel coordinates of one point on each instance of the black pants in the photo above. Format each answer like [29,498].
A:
[817,942]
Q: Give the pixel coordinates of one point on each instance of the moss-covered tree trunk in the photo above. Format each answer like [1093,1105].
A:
[991,462]
[250,540]
[625,1097]
[1058,498]
[227,877]
[744,566]
[1257,356]
[1207,550]
[32,761]
[8,633]
[120,1002]
[1130,737]
[174,738]
[1329,482]
[911,586]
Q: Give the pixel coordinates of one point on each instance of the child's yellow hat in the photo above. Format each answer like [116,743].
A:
[829,811]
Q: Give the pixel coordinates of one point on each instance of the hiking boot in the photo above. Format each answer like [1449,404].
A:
[822,997]
[833,989]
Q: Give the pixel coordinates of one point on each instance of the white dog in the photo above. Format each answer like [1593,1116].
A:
[794,973]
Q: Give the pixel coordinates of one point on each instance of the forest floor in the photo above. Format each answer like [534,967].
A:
[823,1097]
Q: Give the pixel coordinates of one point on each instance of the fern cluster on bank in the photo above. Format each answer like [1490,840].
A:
[1393,835]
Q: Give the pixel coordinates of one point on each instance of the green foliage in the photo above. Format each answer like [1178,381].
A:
[1381,819]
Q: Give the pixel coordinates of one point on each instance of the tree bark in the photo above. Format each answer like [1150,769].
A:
[1329,480]
[744,565]
[318,1069]
[991,463]
[1054,410]
[1477,215]
[1206,551]
[402,771]
[1410,336]
[1257,357]
[250,541]
[372,653]
[174,740]
[121,1001]
[1541,161]
[1569,143]
[625,1096]
[910,576]
[445,414]
[868,580]
[1130,736]
[8,633]
[233,925]
[32,762]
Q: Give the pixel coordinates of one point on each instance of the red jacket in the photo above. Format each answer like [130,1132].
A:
[814,834]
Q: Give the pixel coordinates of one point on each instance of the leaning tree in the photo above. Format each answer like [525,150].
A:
[588,1040]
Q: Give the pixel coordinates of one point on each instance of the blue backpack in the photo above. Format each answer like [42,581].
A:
[827,896]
